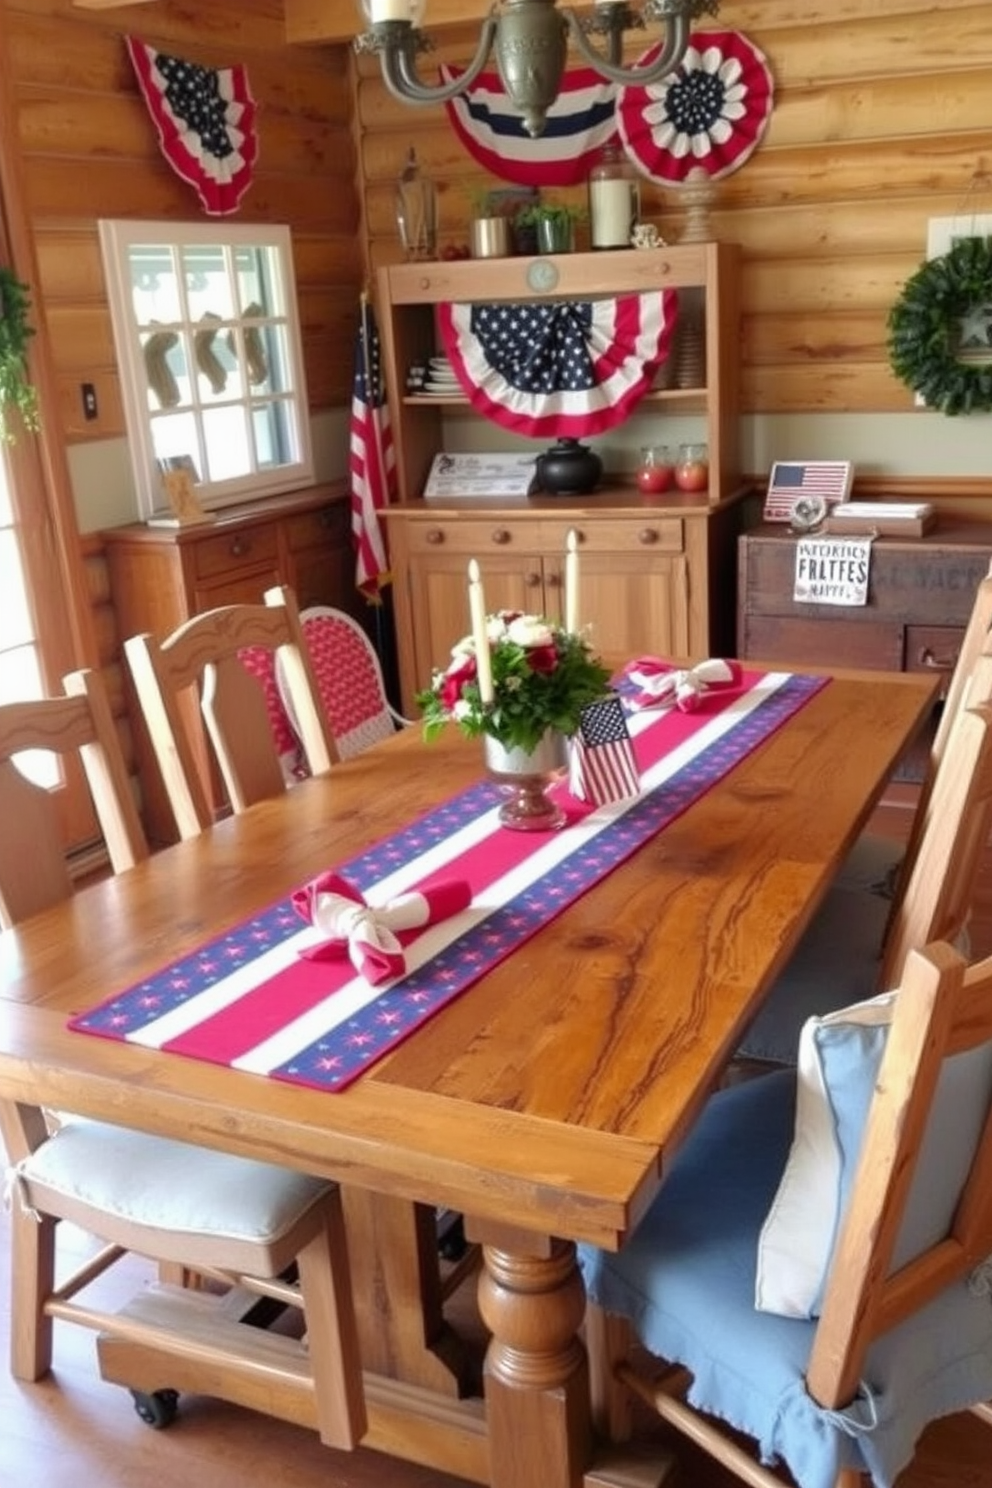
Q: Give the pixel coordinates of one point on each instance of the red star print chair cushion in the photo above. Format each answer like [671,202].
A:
[349,680]
[261,663]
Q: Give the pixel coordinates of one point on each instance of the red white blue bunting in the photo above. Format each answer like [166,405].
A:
[205,120]
[710,113]
[580,122]
[562,370]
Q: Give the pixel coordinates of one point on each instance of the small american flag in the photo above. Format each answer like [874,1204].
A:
[602,766]
[372,460]
[789,480]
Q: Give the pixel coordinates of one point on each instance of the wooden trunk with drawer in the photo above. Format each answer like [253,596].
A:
[161,576]
[920,594]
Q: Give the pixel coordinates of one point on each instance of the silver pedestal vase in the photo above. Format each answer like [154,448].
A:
[526,776]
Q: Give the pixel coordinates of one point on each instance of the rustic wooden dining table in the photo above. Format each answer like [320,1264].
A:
[545,1102]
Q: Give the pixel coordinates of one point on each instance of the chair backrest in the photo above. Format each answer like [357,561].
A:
[943,1010]
[33,870]
[935,899]
[203,654]
[974,642]
[349,680]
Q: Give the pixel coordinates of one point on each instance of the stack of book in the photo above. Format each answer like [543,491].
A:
[881,518]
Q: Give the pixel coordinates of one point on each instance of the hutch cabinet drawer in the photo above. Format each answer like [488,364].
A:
[629,535]
[249,548]
[311,529]
[472,538]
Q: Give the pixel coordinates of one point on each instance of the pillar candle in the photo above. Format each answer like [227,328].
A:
[390,10]
[572,581]
[480,635]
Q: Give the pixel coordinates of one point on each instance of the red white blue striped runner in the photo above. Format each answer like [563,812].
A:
[249,1000]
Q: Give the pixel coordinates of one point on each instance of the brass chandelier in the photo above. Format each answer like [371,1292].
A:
[530,39]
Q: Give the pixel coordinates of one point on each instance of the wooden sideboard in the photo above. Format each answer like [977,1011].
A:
[920,594]
[161,576]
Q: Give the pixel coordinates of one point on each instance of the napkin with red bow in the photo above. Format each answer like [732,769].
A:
[349,926]
[662,685]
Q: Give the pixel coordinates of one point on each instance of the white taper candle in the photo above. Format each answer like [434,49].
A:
[572,581]
[480,634]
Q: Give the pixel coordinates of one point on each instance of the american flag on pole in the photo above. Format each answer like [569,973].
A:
[789,480]
[602,766]
[373,460]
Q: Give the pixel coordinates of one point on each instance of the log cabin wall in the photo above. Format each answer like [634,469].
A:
[90,150]
[881,121]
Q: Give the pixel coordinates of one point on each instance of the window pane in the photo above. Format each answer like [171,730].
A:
[175,438]
[164,355]
[257,274]
[273,435]
[218,370]
[208,287]
[226,434]
[154,285]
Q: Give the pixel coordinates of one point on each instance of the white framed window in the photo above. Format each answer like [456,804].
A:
[207,334]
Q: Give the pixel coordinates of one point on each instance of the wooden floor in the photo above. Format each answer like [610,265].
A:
[73,1431]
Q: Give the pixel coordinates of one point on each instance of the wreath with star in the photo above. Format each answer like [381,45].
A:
[946,309]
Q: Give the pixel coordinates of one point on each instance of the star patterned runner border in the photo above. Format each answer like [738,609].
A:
[250,1001]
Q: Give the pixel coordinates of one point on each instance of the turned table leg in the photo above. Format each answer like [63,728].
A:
[536,1378]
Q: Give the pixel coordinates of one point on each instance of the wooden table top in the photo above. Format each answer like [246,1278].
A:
[552,1094]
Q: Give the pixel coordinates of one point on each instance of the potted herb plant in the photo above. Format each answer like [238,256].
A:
[554,224]
[16,389]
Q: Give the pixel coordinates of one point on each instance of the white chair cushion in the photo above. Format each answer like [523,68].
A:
[159,1184]
[839,1060]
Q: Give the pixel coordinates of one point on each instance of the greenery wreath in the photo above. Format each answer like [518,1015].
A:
[16,390]
[924,329]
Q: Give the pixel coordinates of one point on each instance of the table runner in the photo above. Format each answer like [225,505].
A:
[249,1000]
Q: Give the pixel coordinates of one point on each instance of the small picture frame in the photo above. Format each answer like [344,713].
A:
[178,477]
[816,481]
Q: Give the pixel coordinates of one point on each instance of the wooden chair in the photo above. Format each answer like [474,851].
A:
[880,863]
[902,1330]
[33,869]
[859,939]
[349,681]
[204,654]
[245,1223]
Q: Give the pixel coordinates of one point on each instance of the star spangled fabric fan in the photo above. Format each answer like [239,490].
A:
[567,369]
[580,122]
[205,120]
[711,112]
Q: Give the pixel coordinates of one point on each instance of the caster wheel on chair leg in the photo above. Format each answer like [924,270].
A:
[157,1409]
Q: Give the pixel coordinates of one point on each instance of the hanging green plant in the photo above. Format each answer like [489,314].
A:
[925,326]
[16,389]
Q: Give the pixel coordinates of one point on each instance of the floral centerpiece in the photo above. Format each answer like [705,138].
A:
[542,677]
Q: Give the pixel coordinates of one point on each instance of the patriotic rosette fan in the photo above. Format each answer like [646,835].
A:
[580,122]
[205,120]
[710,113]
[564,370]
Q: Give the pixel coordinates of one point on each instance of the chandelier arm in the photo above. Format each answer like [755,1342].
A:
[677,30]
[399,71]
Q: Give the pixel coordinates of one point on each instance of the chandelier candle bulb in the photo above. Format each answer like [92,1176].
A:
[572,582]
[480,633]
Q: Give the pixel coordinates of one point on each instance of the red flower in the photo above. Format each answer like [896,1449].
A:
[542,659]
[455,678]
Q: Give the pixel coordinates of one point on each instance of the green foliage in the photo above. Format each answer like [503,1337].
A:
[16,390]
[923,329]
[560,212]
[543,676]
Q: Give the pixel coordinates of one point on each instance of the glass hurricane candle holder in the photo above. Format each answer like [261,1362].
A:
[692,468]
[656,468]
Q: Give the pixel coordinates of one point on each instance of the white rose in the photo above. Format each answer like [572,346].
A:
[462,709]
[464,647]
[530,631]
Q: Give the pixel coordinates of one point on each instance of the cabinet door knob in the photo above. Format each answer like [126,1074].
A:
[532,580]
[435,536]
[647,536]
[553,580]
[239,547]
[501,536]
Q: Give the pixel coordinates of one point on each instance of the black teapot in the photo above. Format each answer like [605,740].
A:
[569,468]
